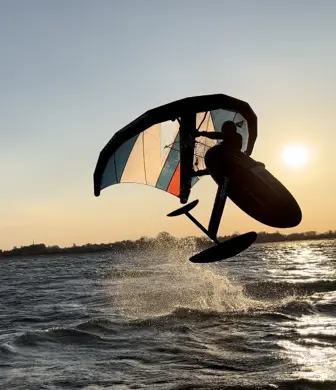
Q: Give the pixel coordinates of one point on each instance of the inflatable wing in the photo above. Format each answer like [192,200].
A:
[159,148]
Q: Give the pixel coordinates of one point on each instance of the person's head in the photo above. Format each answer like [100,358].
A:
[229,128]
[232,138]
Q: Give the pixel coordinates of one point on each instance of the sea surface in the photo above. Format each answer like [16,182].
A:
[265,319]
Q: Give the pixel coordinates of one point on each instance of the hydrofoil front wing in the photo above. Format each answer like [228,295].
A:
[225,249]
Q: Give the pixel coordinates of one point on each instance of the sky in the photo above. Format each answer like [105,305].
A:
[74,72]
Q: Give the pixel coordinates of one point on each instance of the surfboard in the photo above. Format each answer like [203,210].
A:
[253,188]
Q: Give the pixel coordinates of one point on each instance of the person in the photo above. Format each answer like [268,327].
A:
[230,139]
[228,134]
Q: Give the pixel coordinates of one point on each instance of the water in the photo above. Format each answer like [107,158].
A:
[263,320]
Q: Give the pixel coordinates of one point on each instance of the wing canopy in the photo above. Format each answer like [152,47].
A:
[148,150]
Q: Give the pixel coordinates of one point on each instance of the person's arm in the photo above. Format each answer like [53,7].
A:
[210,134]
[200,172]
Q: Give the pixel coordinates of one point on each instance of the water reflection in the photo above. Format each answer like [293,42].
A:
[310,345]
[298,262]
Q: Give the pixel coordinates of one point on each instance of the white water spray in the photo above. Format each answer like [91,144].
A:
[158,282]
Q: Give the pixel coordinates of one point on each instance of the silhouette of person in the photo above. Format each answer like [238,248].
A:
[230,139]
[228,134]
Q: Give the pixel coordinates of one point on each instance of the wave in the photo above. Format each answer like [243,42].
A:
[299,307]
[7,350]
[285,385]
[56,335]
[97,325]
[305,384]
[270,289]
[279,311]
[178,317]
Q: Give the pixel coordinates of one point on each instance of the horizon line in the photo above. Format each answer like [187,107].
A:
[312,233]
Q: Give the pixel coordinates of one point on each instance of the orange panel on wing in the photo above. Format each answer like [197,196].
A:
[174,185]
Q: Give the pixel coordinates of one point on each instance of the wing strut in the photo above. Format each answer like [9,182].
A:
[218,207]
[187,145]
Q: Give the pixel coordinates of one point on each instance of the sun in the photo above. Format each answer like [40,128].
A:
[296,156]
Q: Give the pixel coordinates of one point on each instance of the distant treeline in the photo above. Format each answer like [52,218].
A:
[162,240]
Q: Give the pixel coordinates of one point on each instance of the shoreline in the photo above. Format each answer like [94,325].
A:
[163,239]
